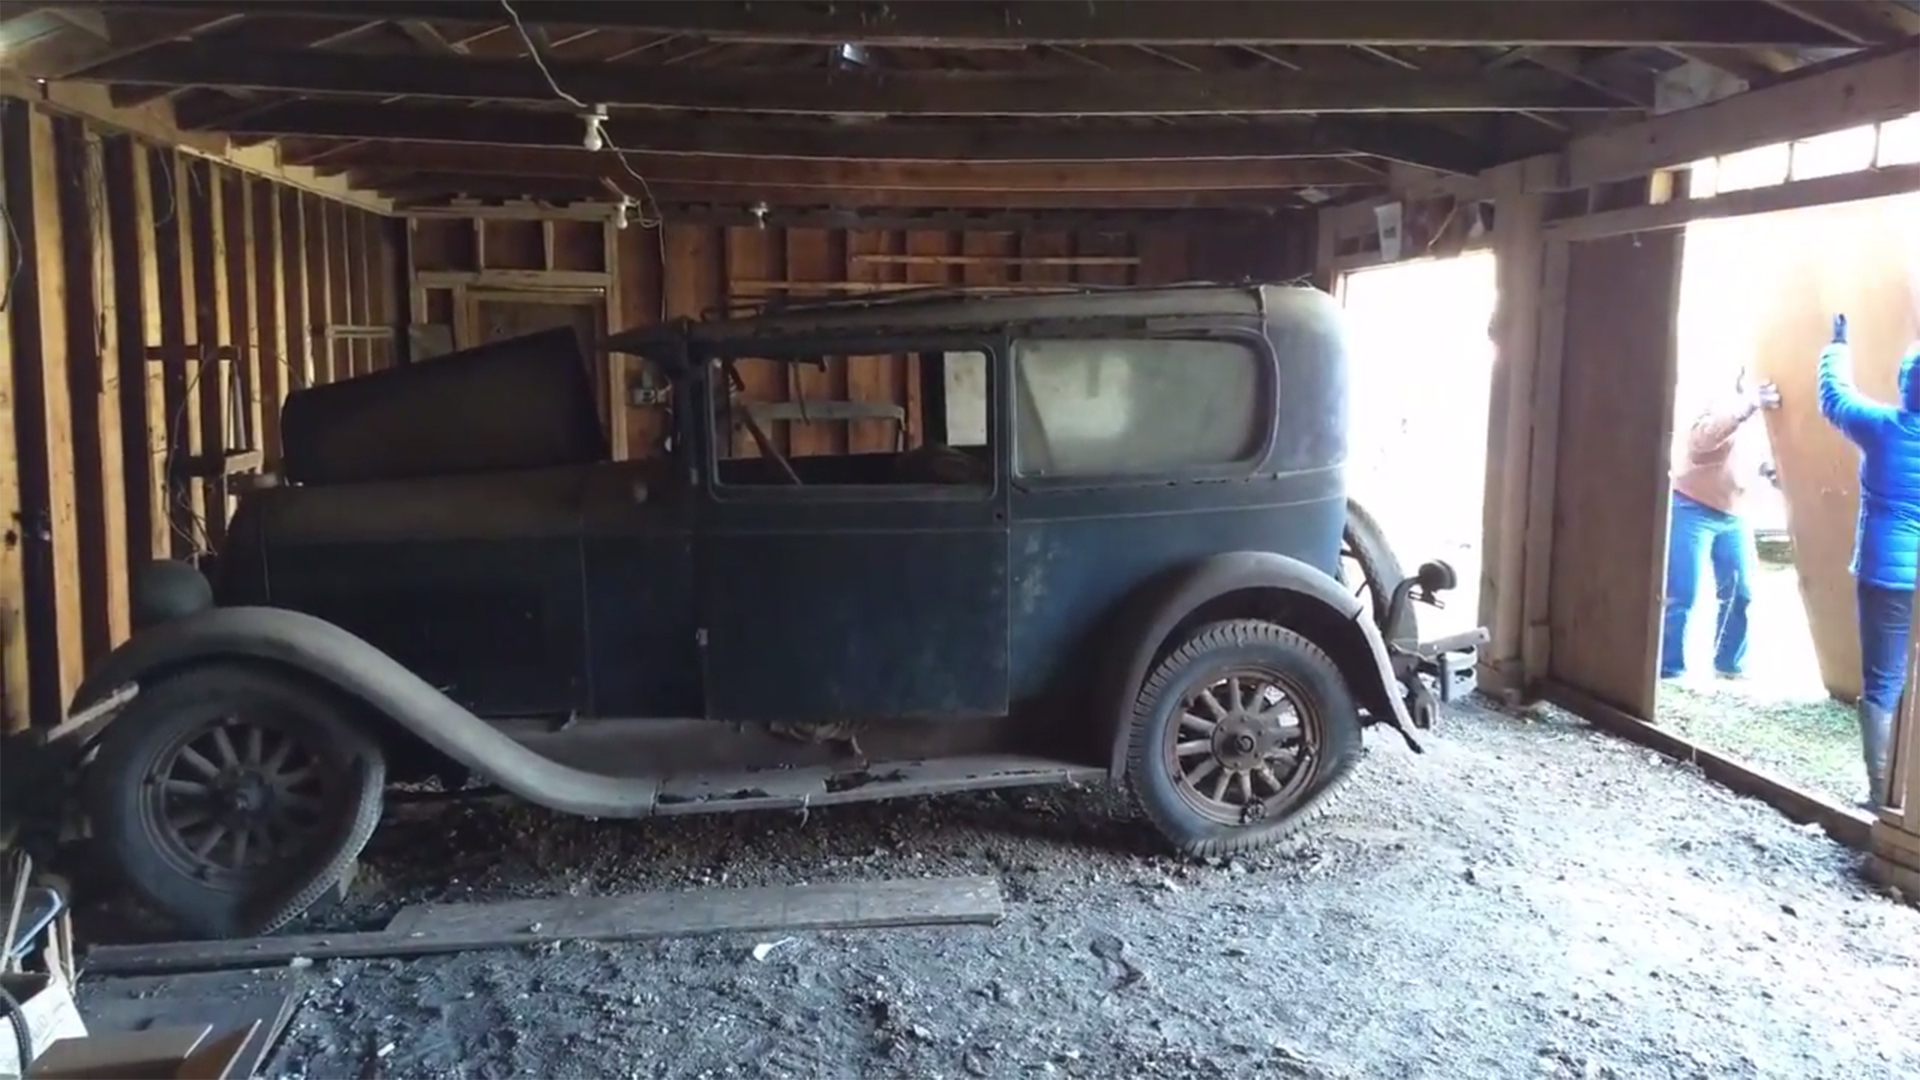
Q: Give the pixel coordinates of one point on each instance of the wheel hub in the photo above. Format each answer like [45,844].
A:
[1240,742]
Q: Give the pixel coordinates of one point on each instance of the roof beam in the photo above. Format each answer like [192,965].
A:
[404,183]
[1869,22]
[501,127]
[1875,88]
[903,93]
[877,175]
[1083,221]
[1149,22]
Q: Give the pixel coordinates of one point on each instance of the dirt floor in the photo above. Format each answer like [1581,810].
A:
[1780,716]
[1529,899]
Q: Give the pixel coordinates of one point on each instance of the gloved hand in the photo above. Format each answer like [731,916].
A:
[1839,329]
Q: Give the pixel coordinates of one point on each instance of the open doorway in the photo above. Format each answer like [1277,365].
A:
[1757,295]
[1421,371]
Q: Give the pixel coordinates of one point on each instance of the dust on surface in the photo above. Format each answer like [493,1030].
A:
[1529,899]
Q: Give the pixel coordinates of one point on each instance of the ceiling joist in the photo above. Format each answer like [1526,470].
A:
[948,24]
[843,93]
[1175,176]
[927,142]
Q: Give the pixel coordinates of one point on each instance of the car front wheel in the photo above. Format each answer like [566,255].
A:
[230,797]
[1239,735]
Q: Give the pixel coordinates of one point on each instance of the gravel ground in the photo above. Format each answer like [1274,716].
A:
[1528,900]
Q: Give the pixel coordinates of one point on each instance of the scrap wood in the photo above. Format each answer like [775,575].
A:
[449,928]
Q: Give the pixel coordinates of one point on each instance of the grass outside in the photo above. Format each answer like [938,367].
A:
[1780,717]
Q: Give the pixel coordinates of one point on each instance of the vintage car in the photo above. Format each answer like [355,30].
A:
[1107,537]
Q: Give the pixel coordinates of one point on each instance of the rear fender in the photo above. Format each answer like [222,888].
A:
[1246,584]
[320,650]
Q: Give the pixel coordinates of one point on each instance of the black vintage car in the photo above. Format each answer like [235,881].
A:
[1107,538]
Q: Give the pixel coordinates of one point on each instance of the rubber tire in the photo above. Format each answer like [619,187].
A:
[1208,649]
[166,709]
[1370,549]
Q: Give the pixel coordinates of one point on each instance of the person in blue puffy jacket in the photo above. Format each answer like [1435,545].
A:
[1887,544]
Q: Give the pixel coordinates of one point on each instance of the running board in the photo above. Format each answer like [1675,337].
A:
[821,785]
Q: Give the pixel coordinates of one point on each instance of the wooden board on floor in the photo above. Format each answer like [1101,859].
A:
[1777,281]
[449,928]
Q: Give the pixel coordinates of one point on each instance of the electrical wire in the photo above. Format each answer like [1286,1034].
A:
[533,53]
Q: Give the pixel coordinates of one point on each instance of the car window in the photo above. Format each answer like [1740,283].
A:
[838,420]
[1119,407]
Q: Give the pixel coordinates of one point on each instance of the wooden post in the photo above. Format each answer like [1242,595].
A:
[129,207]
[1512,414]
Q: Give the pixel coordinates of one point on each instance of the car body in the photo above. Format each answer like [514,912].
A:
[1083,490]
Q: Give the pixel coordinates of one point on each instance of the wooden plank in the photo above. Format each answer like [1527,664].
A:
[1159,22]
[99,526]
[1616,421]
[15,670]
[535,280]
[641,917]
[823,92]
[1765,290]
[763,139]
[1869,91]
[1795,195]
[638,299]
[1542,469]
[1845,824]
[871,378]
[43,414]
[270,266]
[212,328]
[237,999]
[129,209]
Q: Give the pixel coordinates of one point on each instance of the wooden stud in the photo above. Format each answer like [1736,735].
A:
[15,671]
[212,331]
[241,414]
[270,319]
[176,432]
[129,209]
[809,257]
[296,261]
[352,281]
[100,527]
[43,418]
[319,300]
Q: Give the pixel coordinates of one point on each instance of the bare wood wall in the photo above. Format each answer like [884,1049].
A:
[713,269]
[157,309]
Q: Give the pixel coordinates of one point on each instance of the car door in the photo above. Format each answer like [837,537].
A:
[869,590]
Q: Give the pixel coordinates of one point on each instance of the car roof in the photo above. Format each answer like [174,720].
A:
[944,308]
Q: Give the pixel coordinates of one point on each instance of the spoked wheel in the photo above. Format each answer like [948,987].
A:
[1238,736]
[228,799]
[1370,571]
[231,797]
[1242,747]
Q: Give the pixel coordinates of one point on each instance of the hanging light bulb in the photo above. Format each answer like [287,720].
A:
[595,138]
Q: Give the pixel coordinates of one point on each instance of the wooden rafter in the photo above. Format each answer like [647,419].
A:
[1157,22]
[916,93]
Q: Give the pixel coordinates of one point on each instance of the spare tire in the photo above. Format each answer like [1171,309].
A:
[1369,568]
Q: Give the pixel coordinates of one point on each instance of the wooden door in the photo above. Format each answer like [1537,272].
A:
[1607,562]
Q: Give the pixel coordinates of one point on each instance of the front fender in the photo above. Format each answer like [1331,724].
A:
[323,651]
[1156,609]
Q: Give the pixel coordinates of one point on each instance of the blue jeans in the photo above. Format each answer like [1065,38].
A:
[1699,535]
[1885,615]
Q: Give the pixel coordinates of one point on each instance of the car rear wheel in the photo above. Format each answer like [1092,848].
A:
[230,797]
[1240,735]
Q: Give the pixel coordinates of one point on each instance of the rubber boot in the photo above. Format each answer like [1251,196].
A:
[1876,750]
